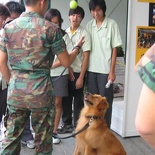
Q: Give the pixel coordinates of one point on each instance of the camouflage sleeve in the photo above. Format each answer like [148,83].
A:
[146,68]
[58,44]
[2,41]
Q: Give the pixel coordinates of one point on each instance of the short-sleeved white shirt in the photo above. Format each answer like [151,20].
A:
[103,40]
[76,65]
[57,71]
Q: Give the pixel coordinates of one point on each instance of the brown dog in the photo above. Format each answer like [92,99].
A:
[97,139]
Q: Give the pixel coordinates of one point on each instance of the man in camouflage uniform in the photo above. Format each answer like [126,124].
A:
[29,44]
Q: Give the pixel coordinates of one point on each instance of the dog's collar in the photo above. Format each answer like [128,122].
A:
[94,117]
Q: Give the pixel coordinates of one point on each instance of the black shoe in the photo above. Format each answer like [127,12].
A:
[65,129]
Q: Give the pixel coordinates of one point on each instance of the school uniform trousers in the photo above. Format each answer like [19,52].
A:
[72,103]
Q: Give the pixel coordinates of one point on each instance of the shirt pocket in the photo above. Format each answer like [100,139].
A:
[105,43]
[105,39]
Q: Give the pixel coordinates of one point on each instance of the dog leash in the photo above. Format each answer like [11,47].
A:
[59,76]
[74,134]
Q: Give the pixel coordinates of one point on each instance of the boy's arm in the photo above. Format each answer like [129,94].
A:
[80,80]
[113,64]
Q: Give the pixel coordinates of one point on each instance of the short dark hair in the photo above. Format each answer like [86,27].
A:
[79,10]
[53,13]
[15,7]
[100,3]
[4,11]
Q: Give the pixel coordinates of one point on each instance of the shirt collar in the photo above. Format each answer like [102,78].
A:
[69,31]
[104,23]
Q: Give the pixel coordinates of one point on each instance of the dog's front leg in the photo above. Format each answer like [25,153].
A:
[77,150]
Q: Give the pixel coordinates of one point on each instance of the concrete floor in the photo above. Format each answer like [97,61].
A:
[132,145]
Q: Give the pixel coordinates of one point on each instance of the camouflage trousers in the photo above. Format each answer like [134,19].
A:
[42,123]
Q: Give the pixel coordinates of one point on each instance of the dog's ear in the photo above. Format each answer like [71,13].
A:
[103,104]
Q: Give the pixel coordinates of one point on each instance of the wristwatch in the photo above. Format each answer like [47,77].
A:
[77,47]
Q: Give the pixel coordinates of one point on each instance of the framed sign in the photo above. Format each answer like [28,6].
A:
[145,38]
[150,1]
[152,14]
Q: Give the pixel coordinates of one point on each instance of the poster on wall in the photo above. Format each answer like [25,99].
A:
[145,38]
[152,14]
[150,1]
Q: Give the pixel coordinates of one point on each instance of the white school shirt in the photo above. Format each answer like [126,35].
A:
[57,71]
[76,65]
[103,40]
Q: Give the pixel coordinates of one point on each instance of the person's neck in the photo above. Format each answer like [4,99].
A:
[33,9]
[74,28]
[99,22]
[8,19]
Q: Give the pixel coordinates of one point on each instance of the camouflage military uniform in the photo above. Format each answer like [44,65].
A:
[31,43]
[146,68]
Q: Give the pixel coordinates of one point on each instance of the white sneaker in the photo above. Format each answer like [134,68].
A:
[30,144]
[2,130]
[56,140]
[2,135]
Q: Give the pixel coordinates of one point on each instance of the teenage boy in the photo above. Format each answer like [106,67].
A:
[77,71]
[105,38]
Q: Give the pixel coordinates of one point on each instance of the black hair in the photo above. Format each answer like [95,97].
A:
[15,7]
[100,3]
[53,13]
[4,11]
[79,10]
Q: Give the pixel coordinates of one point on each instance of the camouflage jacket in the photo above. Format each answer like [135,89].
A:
[146,68]
[31,43]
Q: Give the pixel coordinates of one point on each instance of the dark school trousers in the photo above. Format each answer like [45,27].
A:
[3,97]
[74,99]
[96,85]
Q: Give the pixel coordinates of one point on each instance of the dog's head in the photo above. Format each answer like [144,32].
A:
[97,102]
